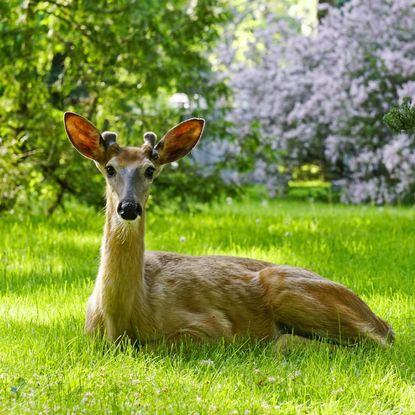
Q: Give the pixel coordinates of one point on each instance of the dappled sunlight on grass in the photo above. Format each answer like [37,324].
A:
[45,305]
[47,273]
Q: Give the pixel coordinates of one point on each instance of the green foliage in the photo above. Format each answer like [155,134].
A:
[47,365]
[402,118]
[183,188]
[116,63]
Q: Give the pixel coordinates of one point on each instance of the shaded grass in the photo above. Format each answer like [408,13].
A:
[47,269]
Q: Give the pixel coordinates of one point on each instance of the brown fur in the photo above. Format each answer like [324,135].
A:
[151,295]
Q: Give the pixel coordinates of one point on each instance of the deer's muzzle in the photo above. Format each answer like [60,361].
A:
[129,210]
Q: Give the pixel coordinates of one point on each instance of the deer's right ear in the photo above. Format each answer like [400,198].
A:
[84,136]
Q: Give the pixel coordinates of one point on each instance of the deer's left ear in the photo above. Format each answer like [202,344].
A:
[180,140]
[84,136]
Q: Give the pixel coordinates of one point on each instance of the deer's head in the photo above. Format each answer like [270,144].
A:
[129,171]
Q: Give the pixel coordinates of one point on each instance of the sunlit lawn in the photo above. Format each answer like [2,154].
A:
[47,269]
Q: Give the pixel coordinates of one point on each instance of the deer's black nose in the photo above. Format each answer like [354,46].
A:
[129,210]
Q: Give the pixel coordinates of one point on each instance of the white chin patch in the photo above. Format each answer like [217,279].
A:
[123,228]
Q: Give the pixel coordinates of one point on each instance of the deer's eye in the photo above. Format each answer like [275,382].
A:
[110,171]
[149,173]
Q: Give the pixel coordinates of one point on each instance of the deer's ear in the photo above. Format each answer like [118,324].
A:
[180,140]
[84,136]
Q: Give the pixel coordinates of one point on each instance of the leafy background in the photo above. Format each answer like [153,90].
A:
[294,96]
[114,62]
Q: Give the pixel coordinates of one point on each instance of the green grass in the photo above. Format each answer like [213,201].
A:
[47,270]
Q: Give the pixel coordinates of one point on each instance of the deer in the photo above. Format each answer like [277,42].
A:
[148,296]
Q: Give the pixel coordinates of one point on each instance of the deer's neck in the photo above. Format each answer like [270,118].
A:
[121,286]
[122,250]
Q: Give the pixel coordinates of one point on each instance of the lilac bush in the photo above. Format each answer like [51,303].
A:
[320,99]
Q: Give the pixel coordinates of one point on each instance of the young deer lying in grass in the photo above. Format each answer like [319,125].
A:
[150,295]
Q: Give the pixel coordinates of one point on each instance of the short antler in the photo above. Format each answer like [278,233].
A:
[150,139]
[110,138]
